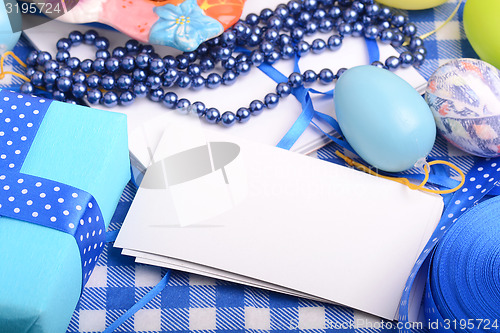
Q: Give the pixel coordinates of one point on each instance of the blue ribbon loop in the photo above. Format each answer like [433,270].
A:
[39,200]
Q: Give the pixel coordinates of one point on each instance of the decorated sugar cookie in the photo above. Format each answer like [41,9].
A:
[182,24]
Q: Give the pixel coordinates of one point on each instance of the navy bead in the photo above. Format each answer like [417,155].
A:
[284,39]
[289,24]
[274,22]
[266,47]
[372,32]
[421,50]
[132,46]
[196,70]
[243,115]
[99,65]
[243,68]
[303,48]
[418,59]
[271,100]
[65,71]
[311,28]
[157,65]
[358,6]
[63,44]
[271,35]
[326,76]
[31,59]
[309,76]
[398,20]
[229,77]
[200,51]
[140,89]
[406,59]
[325,25]
[212,116]
[287,51]
[393,63]
[409,29]
[90,36]
[319,14]
[199,108]
[170,61]
[102,54]
[126,98]
[124,82]
[142,60]
[350,15]
[94,96]
[385,13]
[30,71]
[256,107]
[182,106]
[170,77]
[281,11]
[398,39]
[156,94]
[182,62]
[294,6]
[79,77]
[283,89]
[415,43]
[253,40]
[78,90]
[335,12]
[378,64]
[303,18]
[298,34]
[198,82]
[206,64]
[119,52]
[86,66]
[169,100]
[139,75]
[310,5]
[384,25]
[184,80]
[101,43]
[108,82]
[51,65]
[64,84]
[93,81]
[37,78]
[110,99]
[149,49]
[387,36]
[295,80]
[228,119]
[76,37]
[50,77]
[153,82]
[73,63]
[112,65]
[273,57]
[27,88]
[127,64]
[345,29]
[59,96]
[62,56]
[227,64]
[358,29]
[372,10]
[265,14]
[334,42]
[43,57]
[214,80]
[340,72]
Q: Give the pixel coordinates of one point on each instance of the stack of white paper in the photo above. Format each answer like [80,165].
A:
[254,214]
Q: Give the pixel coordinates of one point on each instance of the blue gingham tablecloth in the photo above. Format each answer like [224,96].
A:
[194,303]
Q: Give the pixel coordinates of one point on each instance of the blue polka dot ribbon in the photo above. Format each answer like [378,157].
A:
[480,180]
[38,200]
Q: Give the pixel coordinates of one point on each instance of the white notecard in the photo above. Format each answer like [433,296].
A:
[299,223]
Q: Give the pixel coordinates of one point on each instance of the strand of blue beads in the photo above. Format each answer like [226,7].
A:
[135,70]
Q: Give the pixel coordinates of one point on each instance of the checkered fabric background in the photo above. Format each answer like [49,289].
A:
[194,303]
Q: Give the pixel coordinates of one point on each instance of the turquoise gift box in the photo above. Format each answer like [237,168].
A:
[40,267]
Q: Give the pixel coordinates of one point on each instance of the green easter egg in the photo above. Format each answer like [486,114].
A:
[412,4]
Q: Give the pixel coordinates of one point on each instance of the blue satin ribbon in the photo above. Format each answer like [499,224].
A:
[480,180]
[39,200]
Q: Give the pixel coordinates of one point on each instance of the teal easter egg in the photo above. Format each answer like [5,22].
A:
[464,96]
[383,118]
[8,38]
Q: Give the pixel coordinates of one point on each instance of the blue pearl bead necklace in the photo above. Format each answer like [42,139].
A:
[135,70]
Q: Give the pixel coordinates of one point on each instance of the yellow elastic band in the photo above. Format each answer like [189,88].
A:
[3,73]
[424,36]
[405,181]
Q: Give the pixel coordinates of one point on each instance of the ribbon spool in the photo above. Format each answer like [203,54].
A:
[463,289]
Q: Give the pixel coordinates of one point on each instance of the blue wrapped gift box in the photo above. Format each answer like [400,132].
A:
[83,149]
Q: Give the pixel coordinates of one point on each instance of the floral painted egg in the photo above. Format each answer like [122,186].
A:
[182,24]
[464,96]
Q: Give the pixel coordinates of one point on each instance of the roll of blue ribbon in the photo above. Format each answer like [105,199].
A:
[463,289]
[39,200]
